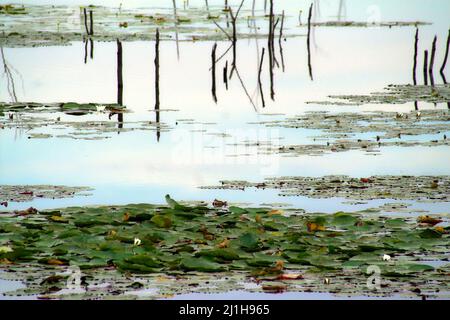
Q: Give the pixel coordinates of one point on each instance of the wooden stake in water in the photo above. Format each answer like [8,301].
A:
[425,67]
[85,21]
[157,70]
[416,41]
[91,18]
[445,55]
[433,53]
[213,72]
[119,74]
[259,78]
[308,42]
[158,133]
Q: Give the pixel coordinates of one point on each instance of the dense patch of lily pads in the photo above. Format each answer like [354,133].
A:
[277,251]
[420,188]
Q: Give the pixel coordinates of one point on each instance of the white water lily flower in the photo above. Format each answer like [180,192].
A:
[137,241]
[386,257]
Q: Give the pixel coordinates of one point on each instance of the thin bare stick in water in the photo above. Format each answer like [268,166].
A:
[119,84]
[433,53]
[273,43]
[85,21]
[157,70]
[259,78]
[280,40]
[223,30]
[445,55]
[270,49]
[213,72]
[223,54]
[234,36]
[158,133]
[245,89]
[225,74]
[119,74]
[425,67]
[92,22]
[416,40]
[308,42]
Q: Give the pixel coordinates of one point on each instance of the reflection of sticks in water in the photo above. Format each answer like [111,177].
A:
[9,78]
[213,72]
[175,16]
[270,49]
[445,57]
[280,40]
[259,78]
[341,8]
[433,53]
[158,133]
[225,74]
[425,67]
[85,50]
[92,48]
[308,41]
[416,40]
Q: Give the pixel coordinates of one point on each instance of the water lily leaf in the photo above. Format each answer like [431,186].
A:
[249,241]
[162,221]
[201,264]
[222,254]
[145,260]
[237,210]
[343,219]
[430,234]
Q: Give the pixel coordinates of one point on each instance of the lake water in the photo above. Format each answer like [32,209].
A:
[143,166]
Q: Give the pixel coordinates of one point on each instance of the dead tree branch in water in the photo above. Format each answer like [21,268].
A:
[425,67]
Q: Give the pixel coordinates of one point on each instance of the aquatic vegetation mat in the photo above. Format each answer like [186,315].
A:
[161,250]
[340,132]
[395,94]
[59,25]
[45,124]
[25,193]
[71,108]
[419,188]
